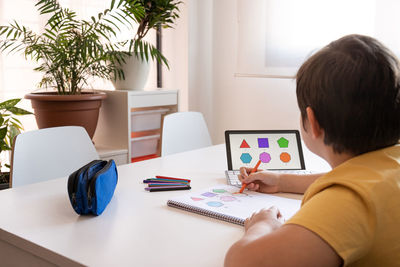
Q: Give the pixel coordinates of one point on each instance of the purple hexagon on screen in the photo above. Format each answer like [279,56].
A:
[265,157]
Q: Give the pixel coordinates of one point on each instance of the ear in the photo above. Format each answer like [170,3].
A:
[316,130]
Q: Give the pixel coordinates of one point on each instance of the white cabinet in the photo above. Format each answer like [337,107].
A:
[130,123]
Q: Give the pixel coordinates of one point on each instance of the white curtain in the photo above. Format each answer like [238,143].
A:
[276,36]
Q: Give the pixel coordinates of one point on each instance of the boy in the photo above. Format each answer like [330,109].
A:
[348,95]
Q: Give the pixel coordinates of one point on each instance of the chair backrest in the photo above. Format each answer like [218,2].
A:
[183,131]
[50,153]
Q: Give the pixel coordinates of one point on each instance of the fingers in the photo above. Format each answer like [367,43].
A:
[253,186]
[248,178]
[271,215]
[274,212]
[244,171]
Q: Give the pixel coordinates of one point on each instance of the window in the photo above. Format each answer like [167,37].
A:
[276,36]
[17,77]
[15,66]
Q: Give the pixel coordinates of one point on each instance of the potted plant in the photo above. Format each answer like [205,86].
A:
[9,128]
[148,15]
[69,52]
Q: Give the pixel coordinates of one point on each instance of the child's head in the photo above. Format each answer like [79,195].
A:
[352,85]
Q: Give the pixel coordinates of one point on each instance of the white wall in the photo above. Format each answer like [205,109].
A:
[175,48]
[230,102]
[201,94]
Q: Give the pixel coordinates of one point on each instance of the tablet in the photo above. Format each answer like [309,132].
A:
[277,149]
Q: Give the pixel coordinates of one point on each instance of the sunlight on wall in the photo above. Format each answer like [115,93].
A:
[276,36]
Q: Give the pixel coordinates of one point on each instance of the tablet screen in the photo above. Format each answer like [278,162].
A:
[277,149]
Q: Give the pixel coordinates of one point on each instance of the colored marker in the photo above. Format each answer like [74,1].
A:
[172,178]
[169,184]
[148,181]
[156,189]
[252,171]
[173,186]
[167,180]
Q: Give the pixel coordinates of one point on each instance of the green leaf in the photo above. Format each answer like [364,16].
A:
[14,121]
[4,146]
[3,132]
[13,132]
[9,103]
[18,111]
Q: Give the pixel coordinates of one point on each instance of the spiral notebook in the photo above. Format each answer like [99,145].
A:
[221,202]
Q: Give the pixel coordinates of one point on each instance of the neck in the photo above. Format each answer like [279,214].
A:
[335,159]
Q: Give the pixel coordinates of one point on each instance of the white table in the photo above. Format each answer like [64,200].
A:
[38,225]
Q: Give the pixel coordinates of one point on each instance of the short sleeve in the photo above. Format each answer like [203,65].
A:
[340,217]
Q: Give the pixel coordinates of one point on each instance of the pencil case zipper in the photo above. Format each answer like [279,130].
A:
[91,192]
[75,180]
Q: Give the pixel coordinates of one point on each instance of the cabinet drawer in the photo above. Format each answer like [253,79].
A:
[146,120]
[152,100]
[146,145]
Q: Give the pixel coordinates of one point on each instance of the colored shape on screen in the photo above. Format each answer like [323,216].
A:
[208,194]
[285,157]
[265,157]
[215,204]
[283,142]
[219,190]
[244,144]
[263,142]
[196,198]
[246,158]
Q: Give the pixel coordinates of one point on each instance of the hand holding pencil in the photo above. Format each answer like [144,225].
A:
[261,180]
[252,171]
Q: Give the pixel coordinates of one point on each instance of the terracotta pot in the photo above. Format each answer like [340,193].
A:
[52,110]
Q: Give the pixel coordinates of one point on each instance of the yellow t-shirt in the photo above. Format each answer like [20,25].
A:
[355,208]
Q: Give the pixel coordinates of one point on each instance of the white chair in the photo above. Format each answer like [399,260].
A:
[183,131]
[50,153]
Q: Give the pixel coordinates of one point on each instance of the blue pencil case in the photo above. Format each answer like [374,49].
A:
[91,187]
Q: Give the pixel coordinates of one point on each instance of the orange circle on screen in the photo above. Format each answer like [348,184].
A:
[285,157]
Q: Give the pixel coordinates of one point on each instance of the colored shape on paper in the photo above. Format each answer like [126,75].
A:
[246,158]
[227,198]
[196,198]
[238,194]
[208,194]
[215,204]
[244,144]
[219,190]
[283,142]
[285,157]
[265,157]
[263,142]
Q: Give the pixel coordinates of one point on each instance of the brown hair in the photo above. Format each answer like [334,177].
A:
[352,85]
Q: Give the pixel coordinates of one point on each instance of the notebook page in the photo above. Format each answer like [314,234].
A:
[223,200]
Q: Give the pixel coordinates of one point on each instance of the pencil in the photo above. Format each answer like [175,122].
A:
[252,171]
